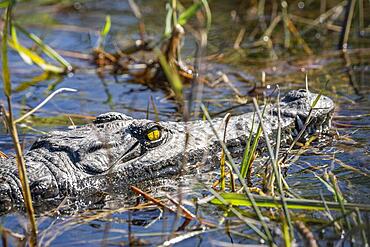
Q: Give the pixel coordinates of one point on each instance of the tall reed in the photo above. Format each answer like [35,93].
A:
[13,128]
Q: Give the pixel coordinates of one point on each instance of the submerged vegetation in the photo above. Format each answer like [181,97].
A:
[250,199]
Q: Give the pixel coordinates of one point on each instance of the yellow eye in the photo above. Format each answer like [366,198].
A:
[154,134]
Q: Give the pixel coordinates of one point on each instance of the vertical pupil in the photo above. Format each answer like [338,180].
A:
[154,134]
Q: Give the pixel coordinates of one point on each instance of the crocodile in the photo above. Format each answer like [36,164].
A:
[116,151]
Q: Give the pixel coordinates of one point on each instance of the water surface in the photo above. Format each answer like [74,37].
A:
[75,27]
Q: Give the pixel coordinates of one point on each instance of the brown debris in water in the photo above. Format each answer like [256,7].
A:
[140,61]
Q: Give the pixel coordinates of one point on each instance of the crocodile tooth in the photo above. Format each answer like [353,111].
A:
[299,122]
[295,133]
[290,137]
[311,130]
[320,129]
[305,135]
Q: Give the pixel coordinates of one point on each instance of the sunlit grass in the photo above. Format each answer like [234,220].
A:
[31,57]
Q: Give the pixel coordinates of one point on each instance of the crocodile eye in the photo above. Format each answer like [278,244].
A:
[154,134]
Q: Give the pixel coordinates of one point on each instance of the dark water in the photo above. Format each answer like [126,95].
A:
[74,28]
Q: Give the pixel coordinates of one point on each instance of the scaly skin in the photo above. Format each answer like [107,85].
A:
[114,152]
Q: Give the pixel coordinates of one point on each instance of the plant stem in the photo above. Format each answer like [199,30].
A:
[343,42]
[26,192]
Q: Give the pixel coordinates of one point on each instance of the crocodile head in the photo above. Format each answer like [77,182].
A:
[113,138]
[117,148]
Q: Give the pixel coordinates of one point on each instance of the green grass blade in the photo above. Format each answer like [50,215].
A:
[222,201]
[104,32]
[339,197]
[275,202]
[35,58]
[174,12]
[168,26]
[314,103]
[326,184]
[223,157]
[4,54]
[188,13]
[107,26]
[286,232]
[25,58]
[245,165]
[252,150]
[171,75]
[363,229]
[45,48]
[254,147]
[208,14]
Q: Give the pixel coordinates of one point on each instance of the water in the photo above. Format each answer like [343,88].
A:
[74,28]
